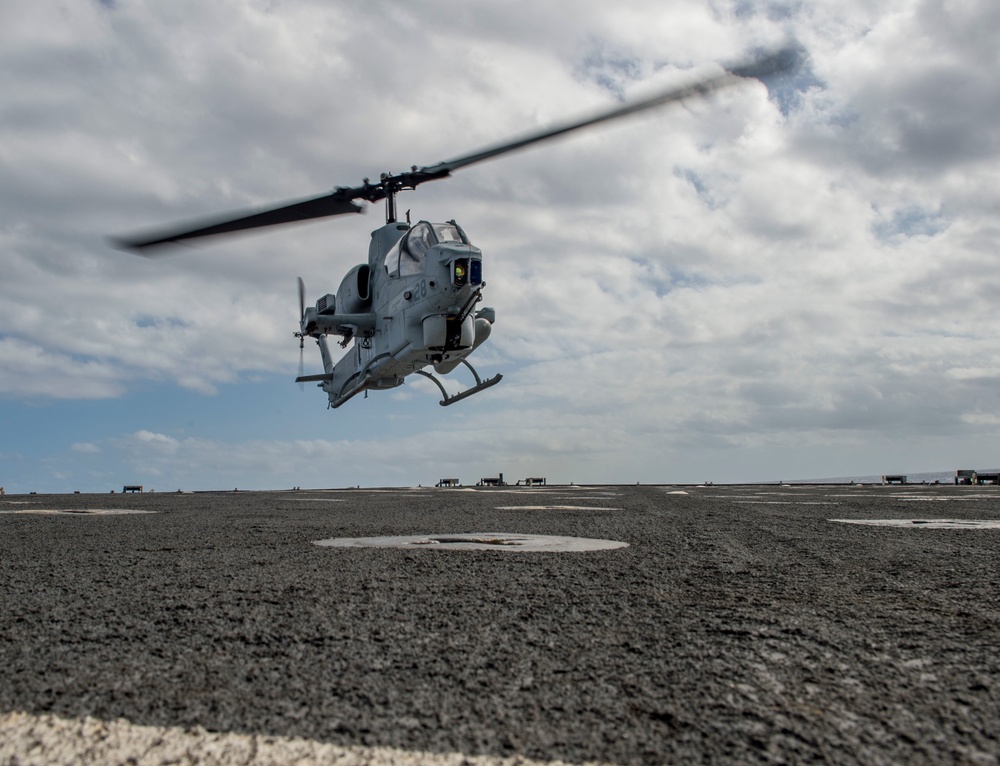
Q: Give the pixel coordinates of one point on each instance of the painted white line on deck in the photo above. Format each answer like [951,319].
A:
[27,739]
[77,511]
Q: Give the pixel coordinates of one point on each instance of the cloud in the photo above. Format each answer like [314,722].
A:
[158,443]
[805,266]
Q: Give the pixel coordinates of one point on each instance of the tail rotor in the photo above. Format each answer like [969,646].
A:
[300,335]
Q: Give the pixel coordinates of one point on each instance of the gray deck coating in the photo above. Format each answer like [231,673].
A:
[740,625]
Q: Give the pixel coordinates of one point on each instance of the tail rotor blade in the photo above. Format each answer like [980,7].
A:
[302,340]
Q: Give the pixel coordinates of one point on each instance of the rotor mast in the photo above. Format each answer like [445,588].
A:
[390,202]
[392,183]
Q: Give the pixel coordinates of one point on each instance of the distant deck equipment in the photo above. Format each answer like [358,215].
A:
[969,476]
[491,482]
[533,481]
[131,488]
[965,476]
[448,483]
[894,478]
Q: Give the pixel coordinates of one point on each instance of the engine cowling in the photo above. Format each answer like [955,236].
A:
[354,294]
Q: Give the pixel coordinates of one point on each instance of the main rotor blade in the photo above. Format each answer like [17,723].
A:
[765,65]
[337,203]
[341,200]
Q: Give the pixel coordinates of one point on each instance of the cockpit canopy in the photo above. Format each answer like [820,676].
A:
[409,255]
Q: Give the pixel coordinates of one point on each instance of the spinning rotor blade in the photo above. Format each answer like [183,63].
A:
[342,200]
[767,65]
[302,298]
[336,203]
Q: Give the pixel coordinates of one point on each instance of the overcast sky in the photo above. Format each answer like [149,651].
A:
[799,283]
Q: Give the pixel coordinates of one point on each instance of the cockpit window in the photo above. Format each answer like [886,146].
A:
[409,255]
[413,253]
[447,232]
[392,260]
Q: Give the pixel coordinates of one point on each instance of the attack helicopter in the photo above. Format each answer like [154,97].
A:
[415,303]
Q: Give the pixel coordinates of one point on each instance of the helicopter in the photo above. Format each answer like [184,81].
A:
[414,304]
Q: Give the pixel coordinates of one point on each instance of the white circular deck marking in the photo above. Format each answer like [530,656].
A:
[927,523]
[481,541]
[553,508]
[783,502]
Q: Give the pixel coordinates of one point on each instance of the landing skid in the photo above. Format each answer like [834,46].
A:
[480,385]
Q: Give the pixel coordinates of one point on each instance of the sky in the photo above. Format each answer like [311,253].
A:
[766,284]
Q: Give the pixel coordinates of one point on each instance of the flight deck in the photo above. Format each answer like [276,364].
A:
[726,624]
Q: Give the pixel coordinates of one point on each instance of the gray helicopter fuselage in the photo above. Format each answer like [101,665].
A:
[410,307]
